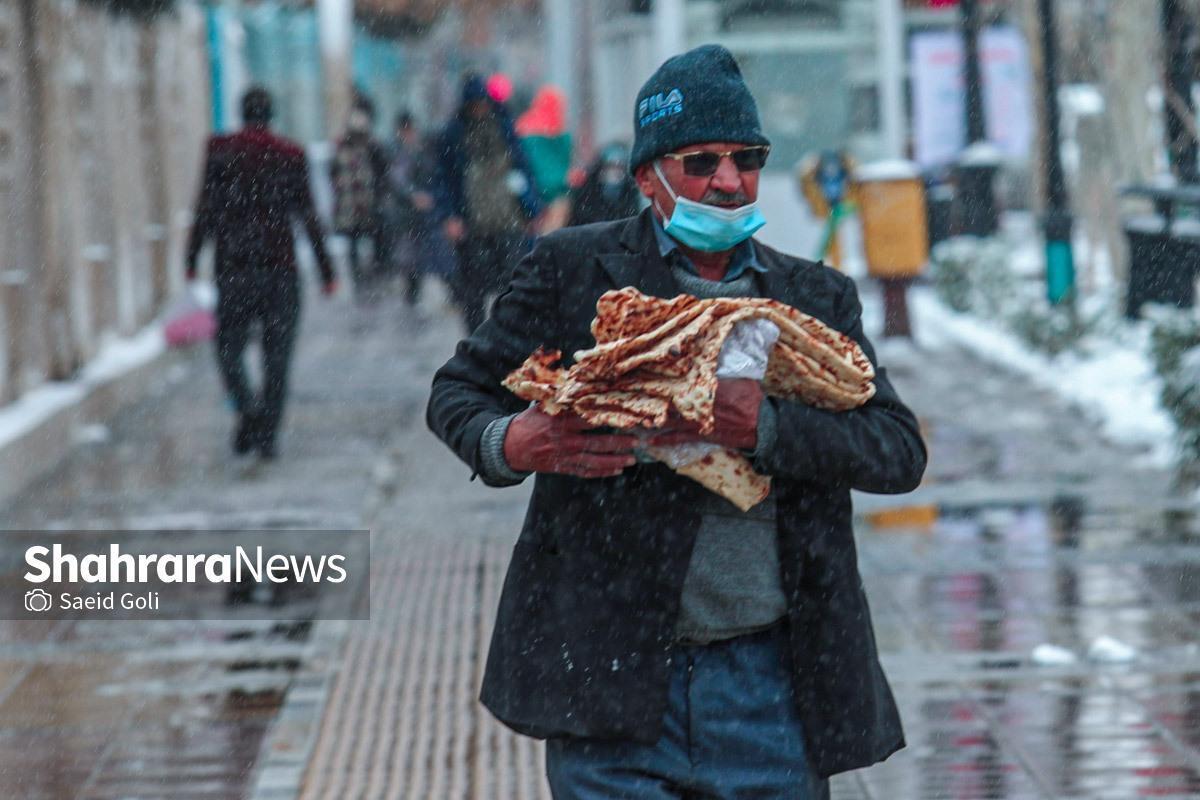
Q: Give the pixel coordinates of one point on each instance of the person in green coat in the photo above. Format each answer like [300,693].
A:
[547,145]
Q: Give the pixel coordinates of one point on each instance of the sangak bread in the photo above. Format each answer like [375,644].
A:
[655,356]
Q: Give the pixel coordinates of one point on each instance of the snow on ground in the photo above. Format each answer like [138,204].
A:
[1112,380]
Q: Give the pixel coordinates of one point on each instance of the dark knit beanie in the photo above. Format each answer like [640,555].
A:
[695,97]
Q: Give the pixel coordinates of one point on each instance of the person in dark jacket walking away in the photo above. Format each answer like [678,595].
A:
[255,186]
[359,173]
[409,204]
[608,192]
[665,643]
[486,197]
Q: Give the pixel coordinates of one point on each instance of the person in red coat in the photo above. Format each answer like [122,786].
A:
[255,185]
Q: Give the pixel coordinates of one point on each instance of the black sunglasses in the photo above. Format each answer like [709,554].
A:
[701,163]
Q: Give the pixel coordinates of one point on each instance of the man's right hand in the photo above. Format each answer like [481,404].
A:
[539,442]
[454,229]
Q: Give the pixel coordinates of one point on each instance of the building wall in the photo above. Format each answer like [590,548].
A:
[102,122]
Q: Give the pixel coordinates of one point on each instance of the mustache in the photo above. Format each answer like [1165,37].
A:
[717,197]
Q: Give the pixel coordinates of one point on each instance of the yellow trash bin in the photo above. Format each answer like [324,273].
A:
[891,206]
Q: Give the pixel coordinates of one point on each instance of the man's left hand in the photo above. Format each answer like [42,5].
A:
[735,412]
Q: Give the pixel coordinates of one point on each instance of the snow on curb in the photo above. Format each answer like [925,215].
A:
[116,358]
[1118,385]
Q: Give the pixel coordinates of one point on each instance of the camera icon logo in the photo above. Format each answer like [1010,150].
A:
[38,600]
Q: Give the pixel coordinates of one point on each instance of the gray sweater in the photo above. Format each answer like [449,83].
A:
[733,582]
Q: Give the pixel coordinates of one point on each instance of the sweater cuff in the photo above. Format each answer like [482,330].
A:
[768,431]
[494,467]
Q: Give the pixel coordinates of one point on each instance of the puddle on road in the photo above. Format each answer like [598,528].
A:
[977,588]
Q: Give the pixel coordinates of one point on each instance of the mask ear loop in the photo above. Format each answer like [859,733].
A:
[667,186]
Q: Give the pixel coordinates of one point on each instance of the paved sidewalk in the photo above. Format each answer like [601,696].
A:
[97,709]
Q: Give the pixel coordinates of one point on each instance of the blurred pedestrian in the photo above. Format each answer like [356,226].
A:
[486,197]
[547,144]
[826,181]
[255,185]
[408,203]
[358,171]
[665,643]
[608,192]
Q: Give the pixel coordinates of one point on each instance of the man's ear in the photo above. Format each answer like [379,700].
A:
[647,181]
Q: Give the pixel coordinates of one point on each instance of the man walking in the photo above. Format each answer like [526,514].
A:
[486,197]
[255,185]
[667,644]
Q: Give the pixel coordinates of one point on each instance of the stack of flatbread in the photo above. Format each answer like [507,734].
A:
[655,356]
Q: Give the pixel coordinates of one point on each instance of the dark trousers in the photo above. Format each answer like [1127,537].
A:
[485,265]
[270,300]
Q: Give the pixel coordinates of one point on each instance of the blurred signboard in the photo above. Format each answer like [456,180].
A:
[939,94]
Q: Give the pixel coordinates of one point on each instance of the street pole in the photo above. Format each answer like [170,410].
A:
[212,22]
[977,167]
[669,35]
[1180,110]
[1060,261]
[335,31]
[976,121]
[890,35]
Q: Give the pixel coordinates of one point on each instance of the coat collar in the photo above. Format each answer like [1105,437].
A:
[643,267]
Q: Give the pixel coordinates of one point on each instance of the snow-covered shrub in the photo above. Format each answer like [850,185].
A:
[1173,331]
[1175,348]
[972,274]
[1050,329]
[1181,398]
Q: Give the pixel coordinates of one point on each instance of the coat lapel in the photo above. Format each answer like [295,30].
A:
[640,266]
[777,280]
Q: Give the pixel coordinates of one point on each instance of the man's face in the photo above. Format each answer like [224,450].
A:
[726,187]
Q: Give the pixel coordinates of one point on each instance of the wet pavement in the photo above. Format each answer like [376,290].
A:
[1030,530]
[104,709]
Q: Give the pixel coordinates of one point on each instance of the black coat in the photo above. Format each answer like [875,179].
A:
[255,185]
[588,610]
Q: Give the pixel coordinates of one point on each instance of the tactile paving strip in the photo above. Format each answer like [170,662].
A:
[403,720]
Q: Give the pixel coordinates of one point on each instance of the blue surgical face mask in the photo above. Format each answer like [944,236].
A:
[708,228]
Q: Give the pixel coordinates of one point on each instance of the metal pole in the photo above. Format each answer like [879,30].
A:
[976,121]
[890,34]
[1180,110]
[669,31]
[216,70]
[977,214]
[1060,261]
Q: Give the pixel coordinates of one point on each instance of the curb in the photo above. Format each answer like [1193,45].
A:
[98,394]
